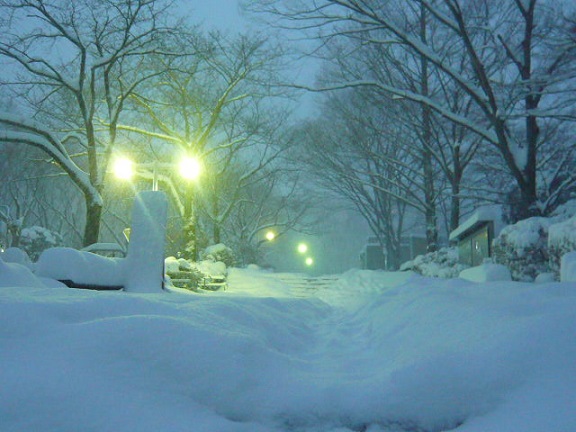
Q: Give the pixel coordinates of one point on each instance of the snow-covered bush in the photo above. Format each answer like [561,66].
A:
[35,239]
[183,273]
[561,240]
[523,248]
[568,267]
[219,252]
[442,263]
[487,272]
[193,275]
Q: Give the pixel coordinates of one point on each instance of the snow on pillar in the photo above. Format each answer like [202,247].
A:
[145,258]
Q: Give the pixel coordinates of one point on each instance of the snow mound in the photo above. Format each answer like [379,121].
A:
[561,240]
[486,273]
[17,275]
[81,267]
[17,256]
[370,351]
[568,267]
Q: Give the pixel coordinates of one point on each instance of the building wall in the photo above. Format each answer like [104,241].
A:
[475,247]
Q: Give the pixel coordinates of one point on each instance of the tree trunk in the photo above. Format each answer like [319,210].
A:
[429,195]
[93,216]
[455,182]
[455,207]
[14,230]
[216,231]
[191,228]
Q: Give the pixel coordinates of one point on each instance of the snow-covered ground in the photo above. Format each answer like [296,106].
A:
[372,351]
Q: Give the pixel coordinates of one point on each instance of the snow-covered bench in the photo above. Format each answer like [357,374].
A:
[81,269]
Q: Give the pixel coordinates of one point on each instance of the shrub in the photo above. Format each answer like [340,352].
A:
[523,248]
[442,263]
[561,240]
[219,252]
[35,239]
[183,274]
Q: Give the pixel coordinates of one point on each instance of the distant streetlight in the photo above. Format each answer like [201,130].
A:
[309,261]
[302,248]
[270,235]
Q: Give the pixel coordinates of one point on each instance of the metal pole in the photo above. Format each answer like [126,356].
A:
[155,176]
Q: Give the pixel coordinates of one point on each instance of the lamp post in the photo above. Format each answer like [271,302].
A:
[188,167]
[145,259]
[124,168]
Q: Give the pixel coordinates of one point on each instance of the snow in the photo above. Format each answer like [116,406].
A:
[63,263]
[563,232]
[487,272]
[145,259]
[171,265]
[372,351]
[492,213]
[212,268]
[215,249]
[525,234]
[16,255]
[568,267]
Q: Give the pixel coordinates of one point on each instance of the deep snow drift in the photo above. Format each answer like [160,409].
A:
[373,351]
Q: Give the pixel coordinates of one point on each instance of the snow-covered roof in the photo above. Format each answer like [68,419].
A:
[492,213]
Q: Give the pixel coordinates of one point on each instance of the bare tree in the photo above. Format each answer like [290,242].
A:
[275,201]
[360,151]
[215,107]
[74,66]
[532,81]
[31,186]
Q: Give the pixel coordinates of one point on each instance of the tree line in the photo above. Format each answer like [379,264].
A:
[432,107]
[427,108]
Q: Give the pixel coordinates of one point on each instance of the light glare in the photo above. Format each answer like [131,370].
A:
[123,168]
[302,248]
[309,261]
[190,168]
[270,235]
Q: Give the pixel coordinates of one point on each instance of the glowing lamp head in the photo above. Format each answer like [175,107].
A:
[270,235]
[309,261]
[302,248]
[190,168]
[123,168]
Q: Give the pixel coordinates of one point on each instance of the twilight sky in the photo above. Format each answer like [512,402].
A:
[219,14]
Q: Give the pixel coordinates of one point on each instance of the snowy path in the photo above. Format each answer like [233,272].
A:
[365,352]
[302,285]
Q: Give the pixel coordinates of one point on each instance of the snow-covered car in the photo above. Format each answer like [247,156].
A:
[106,249]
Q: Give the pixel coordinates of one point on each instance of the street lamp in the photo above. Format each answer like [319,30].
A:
[302,248]
[189,169]
[309,261]
[123,168]
[270,235]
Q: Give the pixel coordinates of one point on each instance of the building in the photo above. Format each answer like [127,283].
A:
[373,257]
[474,236]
